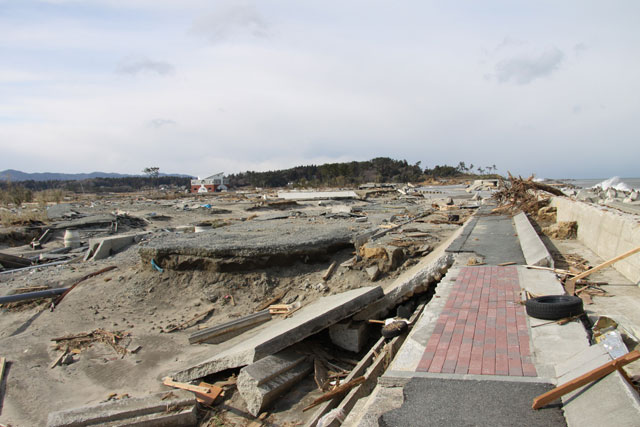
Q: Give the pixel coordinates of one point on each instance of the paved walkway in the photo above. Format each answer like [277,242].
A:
[482,329]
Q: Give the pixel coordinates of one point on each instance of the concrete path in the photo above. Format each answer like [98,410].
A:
[493,237]
[482,329]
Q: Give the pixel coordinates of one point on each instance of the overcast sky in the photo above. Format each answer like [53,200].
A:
[200,86]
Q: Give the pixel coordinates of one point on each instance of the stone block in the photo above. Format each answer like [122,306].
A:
[262,382]
[351,336]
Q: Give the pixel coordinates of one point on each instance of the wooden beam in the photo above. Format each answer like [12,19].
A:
[340,390]
[329,271]
[570,285]
[585,379]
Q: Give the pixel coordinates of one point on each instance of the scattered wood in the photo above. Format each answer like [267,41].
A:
[320,374]
[562,321]
[193,321]
[272,301]
[327,275]
[283,308]
[555,270]
[205,393]
[58,359]
[585,379]
[570,285]
[520,194]
[84,340]
[504,264]
[340,390]
[82,279]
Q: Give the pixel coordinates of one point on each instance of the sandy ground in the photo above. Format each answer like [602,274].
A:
[141,304]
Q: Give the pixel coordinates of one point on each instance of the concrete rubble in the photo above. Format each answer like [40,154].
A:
[266,340]
[264,381]
[274,280]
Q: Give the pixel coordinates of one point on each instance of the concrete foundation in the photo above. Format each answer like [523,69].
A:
[105,247]
[146,411]
[262,382]
[277,335]
[605,231]
[351,336]
[535,252]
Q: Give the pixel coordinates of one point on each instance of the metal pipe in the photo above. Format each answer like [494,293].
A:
[32,295]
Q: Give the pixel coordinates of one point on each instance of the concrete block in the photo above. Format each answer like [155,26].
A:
[262,382]
[351,336]
[277,335]
[145,411]
[105,247]
[535,252]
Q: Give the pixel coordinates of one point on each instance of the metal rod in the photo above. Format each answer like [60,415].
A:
[32,295]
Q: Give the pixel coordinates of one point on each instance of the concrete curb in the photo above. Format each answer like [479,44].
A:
[535,252]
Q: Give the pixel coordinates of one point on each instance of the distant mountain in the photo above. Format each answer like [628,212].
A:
[15,175]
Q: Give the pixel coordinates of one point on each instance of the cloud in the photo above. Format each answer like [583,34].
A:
[158,123]
[231,21]
[136,65]
[524,69]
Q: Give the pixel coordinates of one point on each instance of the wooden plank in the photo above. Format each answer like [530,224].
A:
[185,386]
[58,359]
[272,301]
[585,379]
[341,389]
[329,271]
[570,286]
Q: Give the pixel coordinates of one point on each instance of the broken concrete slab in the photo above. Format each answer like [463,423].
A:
[227,330]
[277,335]
[262,382]
[104,247]
[314,195]
[147,411]
[86,222]
[248,245]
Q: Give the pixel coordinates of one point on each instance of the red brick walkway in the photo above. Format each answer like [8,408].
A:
[482,329]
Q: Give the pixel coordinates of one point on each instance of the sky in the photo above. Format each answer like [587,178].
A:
[200,87]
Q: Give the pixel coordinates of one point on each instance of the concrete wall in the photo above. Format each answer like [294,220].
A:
[605,231]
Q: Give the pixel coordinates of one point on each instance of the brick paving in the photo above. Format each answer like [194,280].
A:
[482,329]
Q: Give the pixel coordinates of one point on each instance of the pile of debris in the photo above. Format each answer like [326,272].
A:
[522,194]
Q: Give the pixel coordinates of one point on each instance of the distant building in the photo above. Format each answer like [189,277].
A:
[209,184]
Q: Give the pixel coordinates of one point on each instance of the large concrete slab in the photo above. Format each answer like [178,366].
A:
[277,335]
[144,411]
[535,252]
[315,195]
[249,244]
[586,406]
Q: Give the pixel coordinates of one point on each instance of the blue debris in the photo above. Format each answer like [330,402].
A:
[156,266]
[208,206]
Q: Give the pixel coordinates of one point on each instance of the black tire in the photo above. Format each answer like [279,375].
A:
[554,307]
